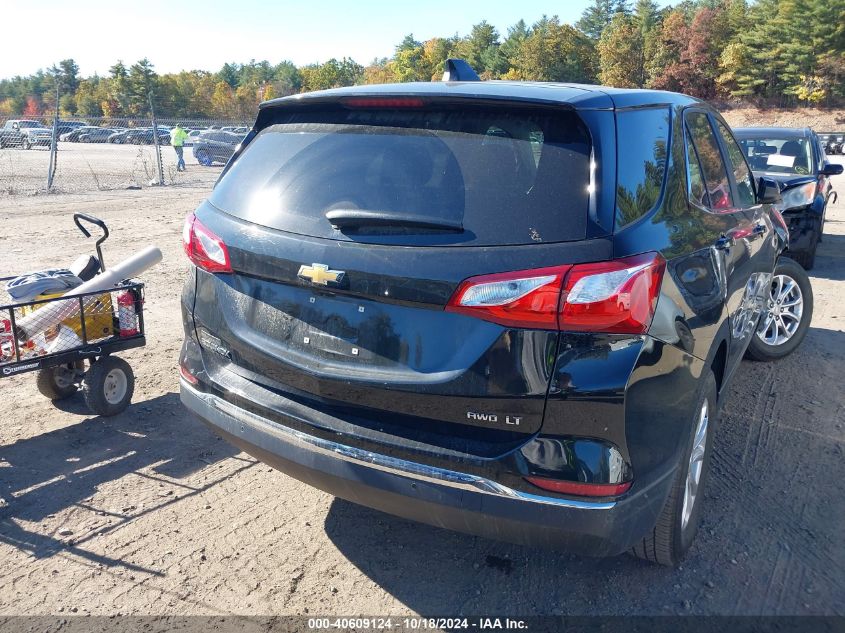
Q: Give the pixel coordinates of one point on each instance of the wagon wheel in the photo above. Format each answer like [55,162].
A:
[108,386]
[58,383]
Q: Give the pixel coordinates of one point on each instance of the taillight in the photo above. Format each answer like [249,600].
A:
[617,296]
[579,488]
[523,299]
[204,248]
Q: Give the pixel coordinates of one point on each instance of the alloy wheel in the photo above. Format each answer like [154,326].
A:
[696,464]
[784,308]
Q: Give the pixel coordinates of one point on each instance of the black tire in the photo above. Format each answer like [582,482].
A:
[98,387]
[671,538]
[57,383]
[758,349]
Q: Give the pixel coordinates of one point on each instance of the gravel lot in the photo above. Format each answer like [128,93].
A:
[82,167]
[149,513]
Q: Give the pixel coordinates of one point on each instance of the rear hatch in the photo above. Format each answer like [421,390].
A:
[348,229]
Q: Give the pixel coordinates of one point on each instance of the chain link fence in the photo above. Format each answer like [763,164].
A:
[40,155]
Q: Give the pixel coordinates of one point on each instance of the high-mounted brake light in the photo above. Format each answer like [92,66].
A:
[617,296]
[383,102]
[204,248]
[580,488]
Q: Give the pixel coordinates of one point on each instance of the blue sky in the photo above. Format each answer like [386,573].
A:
[195,34]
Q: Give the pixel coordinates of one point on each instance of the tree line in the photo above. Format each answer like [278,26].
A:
[775,52]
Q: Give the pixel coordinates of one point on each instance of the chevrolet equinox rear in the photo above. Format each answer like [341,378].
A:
[501,308]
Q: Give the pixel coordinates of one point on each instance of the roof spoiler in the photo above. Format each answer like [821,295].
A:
[459,70]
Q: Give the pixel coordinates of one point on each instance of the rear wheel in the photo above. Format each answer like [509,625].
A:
[789,310]
[57,383]
[108,386]
[203,158]
[677,525]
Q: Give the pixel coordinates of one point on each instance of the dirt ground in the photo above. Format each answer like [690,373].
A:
[149,513]
[821,120]
[84,167]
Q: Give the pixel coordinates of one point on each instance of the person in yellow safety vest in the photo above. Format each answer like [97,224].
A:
[177,140]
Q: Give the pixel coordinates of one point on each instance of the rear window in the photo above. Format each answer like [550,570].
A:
[643,138]
[481,176]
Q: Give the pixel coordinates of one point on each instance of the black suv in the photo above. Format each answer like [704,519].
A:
[795,158]
[502,308]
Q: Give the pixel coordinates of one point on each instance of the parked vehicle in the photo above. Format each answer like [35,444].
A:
[142,136]
[68,126]
[216,147]
[193,135]
[74,134]
[508,309]
[827,141]
[24,133]
[796,159]
[118,137]
[97,135]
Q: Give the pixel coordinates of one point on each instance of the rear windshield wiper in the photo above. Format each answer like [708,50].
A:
[356,218]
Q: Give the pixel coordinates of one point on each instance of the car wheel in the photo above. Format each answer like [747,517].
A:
[108,386]
[677,525]
[789,310]
[203,158]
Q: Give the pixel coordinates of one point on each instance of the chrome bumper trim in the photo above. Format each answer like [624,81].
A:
[384,463]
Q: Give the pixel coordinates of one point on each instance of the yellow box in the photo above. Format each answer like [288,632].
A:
[99,315]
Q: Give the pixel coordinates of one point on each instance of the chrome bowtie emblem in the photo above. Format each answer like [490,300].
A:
[320,274]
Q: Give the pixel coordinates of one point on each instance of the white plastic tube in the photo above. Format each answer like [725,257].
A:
[55,312]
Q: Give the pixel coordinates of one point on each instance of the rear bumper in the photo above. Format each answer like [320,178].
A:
[436,496]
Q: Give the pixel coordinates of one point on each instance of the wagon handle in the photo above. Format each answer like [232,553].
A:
[90,218]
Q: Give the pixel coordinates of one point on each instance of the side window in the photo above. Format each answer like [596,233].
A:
[712,165]
[742,175]
[697,192]
[643,136]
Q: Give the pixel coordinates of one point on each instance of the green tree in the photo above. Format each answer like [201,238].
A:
[598,15]
[332,74]
[118,95]
[66,75]
[85,102]
[555,52]
[142,81]
[648,17]
[286,78]
[480,49]
[620,49]
[229,73]
[517,34]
